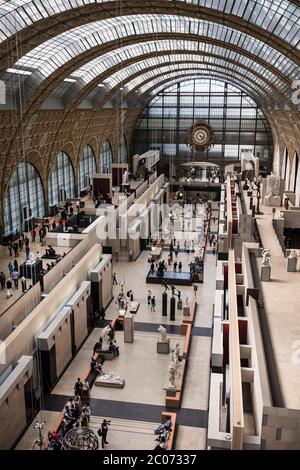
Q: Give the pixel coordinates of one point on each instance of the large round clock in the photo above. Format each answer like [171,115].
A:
[201,136]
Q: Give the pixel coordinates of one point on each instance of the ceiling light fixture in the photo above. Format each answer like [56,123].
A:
[19,71]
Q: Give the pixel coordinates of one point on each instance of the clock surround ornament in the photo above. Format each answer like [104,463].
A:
[201,137]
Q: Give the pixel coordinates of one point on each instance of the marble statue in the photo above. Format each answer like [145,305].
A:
[173,359]
[293,254]
[187,301]
[266,257]
[105,338]
[109,378]
[125,177]
[177,352]
[163,334]
[172,371]
[273,186]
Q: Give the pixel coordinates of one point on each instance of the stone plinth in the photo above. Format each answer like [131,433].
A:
[272,201]
[128,328]
[265,273]
[186,311]
[163,347]
[292,265]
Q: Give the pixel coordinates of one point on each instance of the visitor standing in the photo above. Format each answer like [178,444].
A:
[8,288]
[15,278]
[10,248]
[180,266]
[16,249]
[153,304]
[33,235]
[149,297]
[10,268]
[2,280]
[103,432]
[23,284]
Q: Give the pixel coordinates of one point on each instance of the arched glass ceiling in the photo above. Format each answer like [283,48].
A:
[123,74]
[155,78]
[279,17]
[91,70]
[57,51]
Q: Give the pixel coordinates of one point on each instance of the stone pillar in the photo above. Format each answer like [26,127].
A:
[165,304]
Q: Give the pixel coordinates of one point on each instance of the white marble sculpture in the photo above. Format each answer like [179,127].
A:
[177,352]
[173,359]
[172,371]
[109,378]
[104,336]
[266,254]
[187,301]
[125,177]
[163,334]
[293,254]
[273,186]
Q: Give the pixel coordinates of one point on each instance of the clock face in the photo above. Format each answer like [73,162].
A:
[201,136]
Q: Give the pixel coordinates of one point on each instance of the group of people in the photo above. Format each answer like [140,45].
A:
[163,432]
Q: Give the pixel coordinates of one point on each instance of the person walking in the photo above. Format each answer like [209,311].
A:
[15,278]
[16,265]
[180,266]
[115,279]
[16,249]
[9,288]
[149,297]
[103,432]
[23,284]
[2,280]
[10,248]
[10,268]
[153,304]
[33,235]
[175,267]
[21,243]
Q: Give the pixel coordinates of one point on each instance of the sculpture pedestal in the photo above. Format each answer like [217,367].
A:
[163,347]
[265,273]
[292,265]
[186,311]
[128,329]
[172,308]
[272,201]
[165,304]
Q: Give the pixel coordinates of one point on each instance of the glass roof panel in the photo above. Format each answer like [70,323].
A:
[165,72]
[94,68]
[190,61]
[156,85]
[278,17]
[55,52]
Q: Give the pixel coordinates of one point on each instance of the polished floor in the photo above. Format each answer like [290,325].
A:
[144,370]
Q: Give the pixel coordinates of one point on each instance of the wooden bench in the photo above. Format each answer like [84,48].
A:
[172,435]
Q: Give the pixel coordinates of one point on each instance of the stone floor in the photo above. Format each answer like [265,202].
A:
[282,304]
[144,370]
